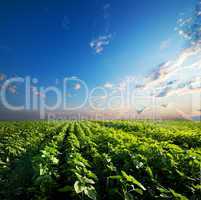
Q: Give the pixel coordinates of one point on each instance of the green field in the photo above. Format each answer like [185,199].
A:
[100,160]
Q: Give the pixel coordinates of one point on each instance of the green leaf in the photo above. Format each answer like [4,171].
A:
[197,187]
[177,195]
[87,180]
[149,172]
[78,187]
[115,177]
[132,180]
[54,160]
[139,191]
[162,189]
[180,173]
[90,192]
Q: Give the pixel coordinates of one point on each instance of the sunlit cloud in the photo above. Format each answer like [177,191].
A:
[182,114]
[176,76]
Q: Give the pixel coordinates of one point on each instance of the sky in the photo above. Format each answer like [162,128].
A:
[103,43]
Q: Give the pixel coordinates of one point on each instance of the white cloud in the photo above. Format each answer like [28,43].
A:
[106,13]
[186,66]
[77,86]
[141,110]
[187,80]
[178,77]
[98,44]
[108,85]
[184,34]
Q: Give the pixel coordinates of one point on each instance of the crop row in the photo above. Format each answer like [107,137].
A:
[182,133]
[20,142]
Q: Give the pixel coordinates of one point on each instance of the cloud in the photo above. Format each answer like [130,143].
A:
[179,73]
[108,85]
[164,105]
[2,77]
[174,78]
[122,86]
[184,34]
[184,91]
[163,92]
[99,44]
[182,114]
[141,110]
[106,8]
[77,86]
[165,44]
[189,27]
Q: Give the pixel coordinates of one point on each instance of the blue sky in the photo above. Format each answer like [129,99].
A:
[36,41]
[98,41]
